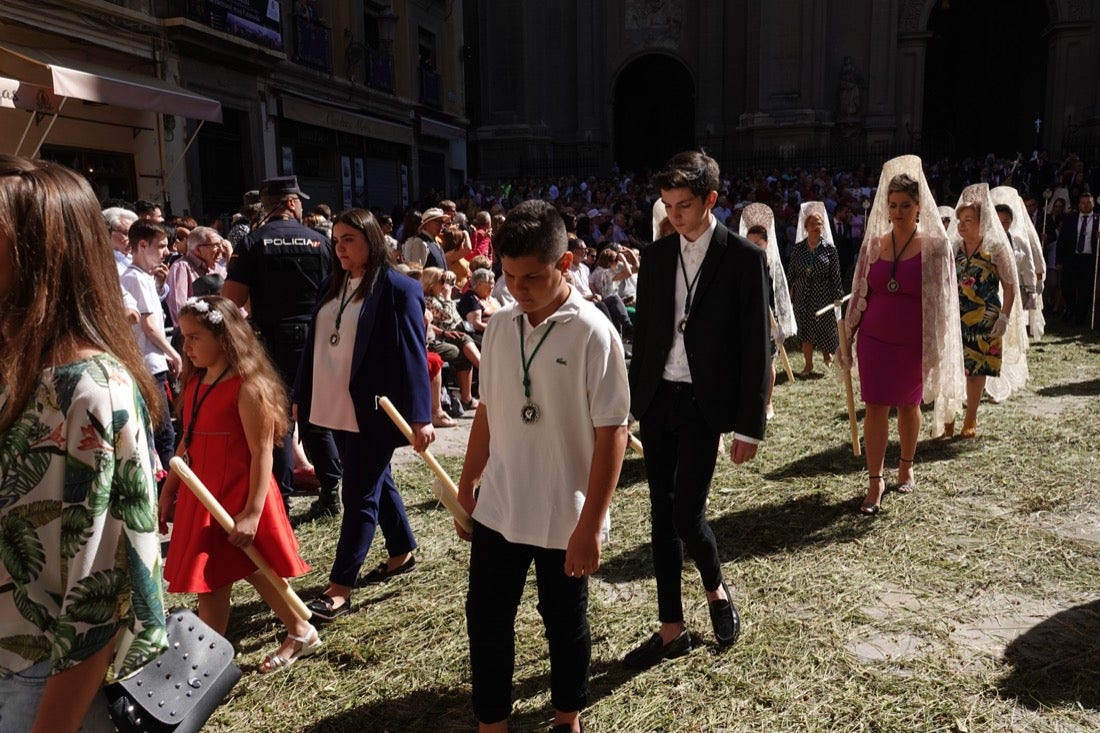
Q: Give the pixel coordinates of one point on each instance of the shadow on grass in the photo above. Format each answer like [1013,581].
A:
[838,459]
[1088,388]
[419,710]
[1056,662]
[803,521]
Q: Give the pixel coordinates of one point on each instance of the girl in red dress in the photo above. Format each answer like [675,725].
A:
[234,408]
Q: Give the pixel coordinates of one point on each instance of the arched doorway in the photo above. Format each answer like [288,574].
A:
[985,76]
[654,102]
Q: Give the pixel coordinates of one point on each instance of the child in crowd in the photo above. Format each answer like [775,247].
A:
[234,408]
[546,447]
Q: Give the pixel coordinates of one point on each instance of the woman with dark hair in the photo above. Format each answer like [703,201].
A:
[905,323]
[366,341]
[81,556]
[410,225]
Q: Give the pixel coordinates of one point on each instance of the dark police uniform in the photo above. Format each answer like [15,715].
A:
[283,263]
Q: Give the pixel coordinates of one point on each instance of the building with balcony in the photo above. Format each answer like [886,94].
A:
[363,101]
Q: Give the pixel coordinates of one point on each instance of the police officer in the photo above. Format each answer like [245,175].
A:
[280,265]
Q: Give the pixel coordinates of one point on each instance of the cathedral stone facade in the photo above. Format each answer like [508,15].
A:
[579,86]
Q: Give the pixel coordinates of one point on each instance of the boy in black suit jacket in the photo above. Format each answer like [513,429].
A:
[700,368]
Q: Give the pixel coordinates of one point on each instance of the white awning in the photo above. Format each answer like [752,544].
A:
[104,85]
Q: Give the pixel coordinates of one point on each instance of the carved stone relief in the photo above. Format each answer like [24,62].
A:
[654,22]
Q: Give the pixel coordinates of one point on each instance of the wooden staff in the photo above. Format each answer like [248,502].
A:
[445,490]
[781,349]
[635,444]
[848,385]
[1095,275]
[847,353]
[221,516]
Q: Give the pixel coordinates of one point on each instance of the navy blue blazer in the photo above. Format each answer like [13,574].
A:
[389,359]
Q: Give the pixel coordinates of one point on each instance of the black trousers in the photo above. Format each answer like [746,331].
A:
[680,453]
[498,573]
[1077,285]
[285,346]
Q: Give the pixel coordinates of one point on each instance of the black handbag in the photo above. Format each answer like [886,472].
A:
[178,691]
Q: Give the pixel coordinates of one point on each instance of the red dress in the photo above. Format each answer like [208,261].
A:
[200,558]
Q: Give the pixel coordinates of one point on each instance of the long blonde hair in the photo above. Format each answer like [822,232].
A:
[64,292]
[244,352]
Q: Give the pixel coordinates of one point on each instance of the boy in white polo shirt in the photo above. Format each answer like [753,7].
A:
[546,446]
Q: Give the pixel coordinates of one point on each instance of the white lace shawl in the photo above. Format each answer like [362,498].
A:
[995,245]
[1031,265]
[763,215]
[946,212]
[1014,344]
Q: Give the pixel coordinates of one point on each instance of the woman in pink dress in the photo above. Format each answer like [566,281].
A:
[903,303]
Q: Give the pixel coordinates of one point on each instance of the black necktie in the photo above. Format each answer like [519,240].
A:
[1081,234]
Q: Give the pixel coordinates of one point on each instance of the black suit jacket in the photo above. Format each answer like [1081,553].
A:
[1067,238]
[727,333]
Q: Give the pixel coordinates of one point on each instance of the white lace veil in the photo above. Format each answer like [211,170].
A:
[946,212]
[1059,193]
[995,243]
[944,385]
[1031,258]
[815,207]
[659,214]
[763,215]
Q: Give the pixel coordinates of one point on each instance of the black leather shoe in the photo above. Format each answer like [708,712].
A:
[326,505]
[654,650]
[725,619]
[382,573]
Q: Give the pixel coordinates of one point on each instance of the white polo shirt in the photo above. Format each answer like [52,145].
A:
[536,479]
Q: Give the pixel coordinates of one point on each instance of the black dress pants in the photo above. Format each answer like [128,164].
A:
[680,454]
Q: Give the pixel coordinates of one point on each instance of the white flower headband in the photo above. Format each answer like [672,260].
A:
[213,317]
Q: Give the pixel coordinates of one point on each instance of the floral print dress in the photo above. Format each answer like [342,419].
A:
[980,304]
[79,552]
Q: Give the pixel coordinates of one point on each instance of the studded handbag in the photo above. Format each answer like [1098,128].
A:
[178,691]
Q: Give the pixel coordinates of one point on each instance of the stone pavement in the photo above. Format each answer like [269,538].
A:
[448,442]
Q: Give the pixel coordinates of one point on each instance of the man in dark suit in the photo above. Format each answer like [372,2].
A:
[847,246]
[1077,249]
[700,369]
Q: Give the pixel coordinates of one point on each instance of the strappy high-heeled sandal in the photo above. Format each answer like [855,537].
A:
[909,486]
[869,508]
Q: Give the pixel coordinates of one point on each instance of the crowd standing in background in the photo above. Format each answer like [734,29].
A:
[646,278]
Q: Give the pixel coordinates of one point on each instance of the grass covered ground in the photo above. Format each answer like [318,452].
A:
[970,605]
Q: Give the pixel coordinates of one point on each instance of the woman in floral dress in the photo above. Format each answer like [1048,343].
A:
[79,552]
[984,266]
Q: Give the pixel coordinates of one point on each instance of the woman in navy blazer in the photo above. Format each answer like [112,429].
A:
[366,340]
